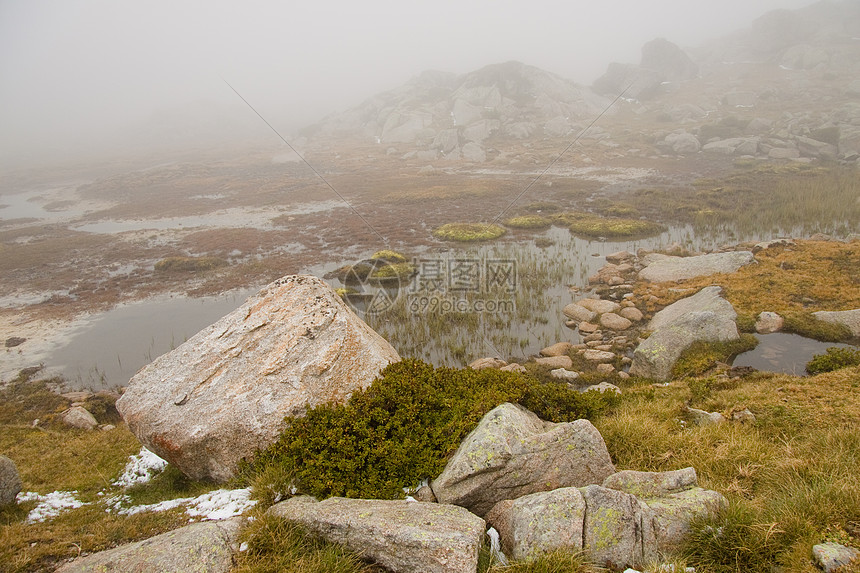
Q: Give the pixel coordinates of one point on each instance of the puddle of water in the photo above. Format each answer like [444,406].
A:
[109,350]
[227,218]
[783,352]
[30,205]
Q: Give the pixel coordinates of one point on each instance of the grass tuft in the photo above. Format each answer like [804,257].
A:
[189,264]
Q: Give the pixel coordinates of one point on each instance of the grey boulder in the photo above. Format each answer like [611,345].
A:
[705,316]
[224,393]
[848,318]
[10,481]
[680,268]
[402,536]
[79,417]
[832,556]
[512,453]
[205,547]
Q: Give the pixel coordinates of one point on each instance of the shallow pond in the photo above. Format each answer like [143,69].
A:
[109,350]
[783,352]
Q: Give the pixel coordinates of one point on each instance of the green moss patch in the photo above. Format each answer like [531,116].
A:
[467,232]
[528,222]
[593,226]
[702,356]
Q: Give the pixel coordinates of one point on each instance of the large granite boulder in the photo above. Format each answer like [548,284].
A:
[705,316]
[679,268]
[402,536]
[513,453]
[540,522]
[223,394]
[669,61]
[200,547]
[626,522]
[673,499]
[10,481]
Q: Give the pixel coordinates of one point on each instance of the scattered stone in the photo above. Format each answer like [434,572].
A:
[205,546]
[703,418]
[425,494]
[593,337]
[594,355]
[623,375]
[849,318]
[564,374]
[679,268]
[10,481]
[772,244]
[743,416]
[705,316]
[474,152]
[489,362]
[613,321]
[540,522]
[632,314]
[683,143]
[224,393]
[555,361]
[513,453]
[557,349]
[605,369]
[619,257]
[579,313]
[768,322]
[514,367]
[78,417]
[603,387]
[402,536]
[599,306]
[14,341]
[832,556]
[588,327]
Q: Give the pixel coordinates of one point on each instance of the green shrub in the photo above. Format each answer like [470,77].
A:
[833,359]
[594,226]
[403,428]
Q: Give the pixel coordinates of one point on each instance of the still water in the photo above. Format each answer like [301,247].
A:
[783,352]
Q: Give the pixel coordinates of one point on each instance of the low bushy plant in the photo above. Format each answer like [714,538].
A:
[403,428]
[467,232]
[833,359]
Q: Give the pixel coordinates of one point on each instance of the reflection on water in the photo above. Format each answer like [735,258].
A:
[112,348]
[783,352]
[449,325]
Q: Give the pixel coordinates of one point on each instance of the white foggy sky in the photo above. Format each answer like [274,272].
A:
[73,68]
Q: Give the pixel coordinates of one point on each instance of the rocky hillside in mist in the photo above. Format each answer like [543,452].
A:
[785,87]
[453,116]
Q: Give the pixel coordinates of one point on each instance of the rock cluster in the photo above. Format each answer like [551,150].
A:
[224,393]
[542,486]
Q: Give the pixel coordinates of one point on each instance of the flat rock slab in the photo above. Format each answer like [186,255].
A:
[579,313]
[224,393]
[833,556]
[705,316]
[402,536]
[513,453]
[849,318]
[679,268]
[205,547]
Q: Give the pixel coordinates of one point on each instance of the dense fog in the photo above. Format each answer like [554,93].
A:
[89,75]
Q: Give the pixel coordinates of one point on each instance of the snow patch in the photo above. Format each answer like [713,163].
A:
[212,506]
[140,469]
[50,505]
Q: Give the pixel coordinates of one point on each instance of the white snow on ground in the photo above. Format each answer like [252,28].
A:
[50,505]
[215,505]
[140,468]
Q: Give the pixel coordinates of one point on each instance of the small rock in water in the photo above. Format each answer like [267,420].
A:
[489,362]
[557,349]
[556,361]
